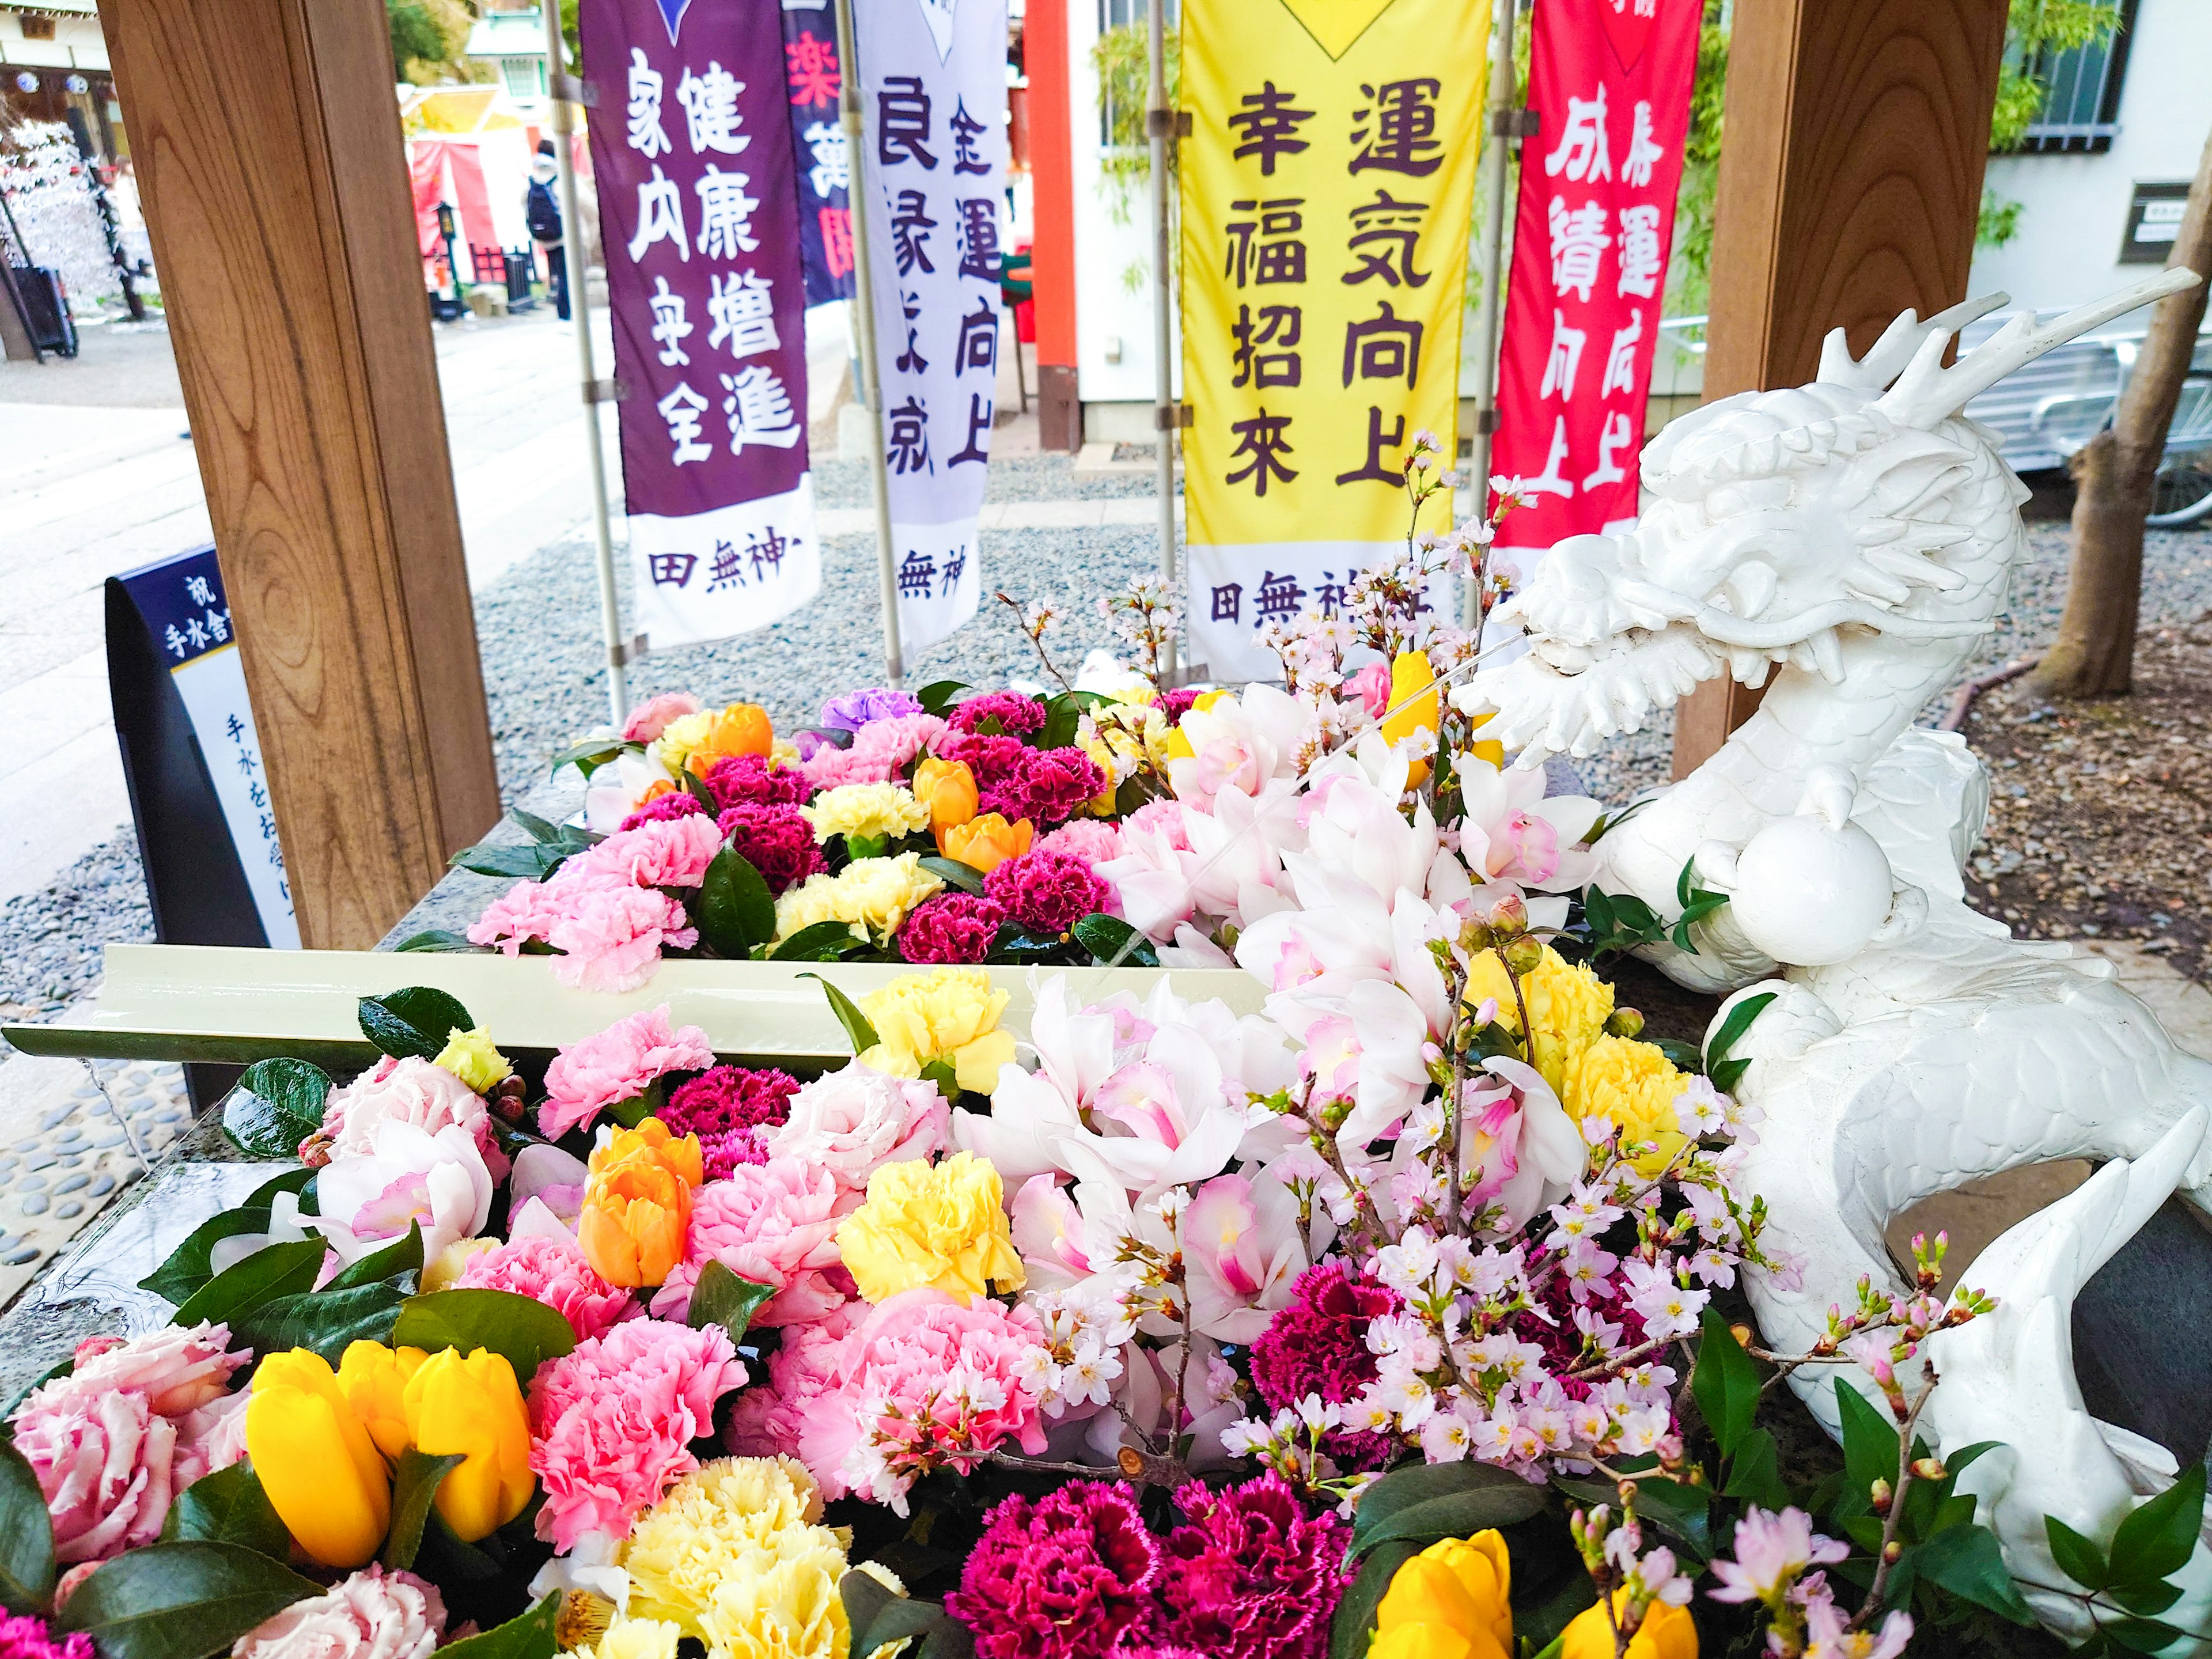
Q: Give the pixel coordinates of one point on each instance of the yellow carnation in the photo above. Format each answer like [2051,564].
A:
[1635,1085]
[443,1271]
[941,1226]
[866,812]
[1124,739]
[950,1014]
[469,1056]
[1567,1004]
[735,1521]
[873,896]
[635,1638]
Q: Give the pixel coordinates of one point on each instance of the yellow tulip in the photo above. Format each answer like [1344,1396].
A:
[637,1203]
[1449,1602]
[986,843]
[1667,1632]
[373,1379]
[1486,749]
[323,1473]
[470,1404]
[1409,673]
[947,789]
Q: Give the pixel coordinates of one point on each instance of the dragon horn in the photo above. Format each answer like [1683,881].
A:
[1888,355]
[1926,392]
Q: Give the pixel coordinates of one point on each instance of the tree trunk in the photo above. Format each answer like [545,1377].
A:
[2095,653]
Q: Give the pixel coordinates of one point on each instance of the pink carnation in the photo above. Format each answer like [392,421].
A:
[618,1064]
[650,718]
[178,1368]
[610,937]
[525,912]
[830,768]
[740,780]
[402,1091]
[776,841]
[899,740]
[1090,840]
[1065,1576]
[371,1614]
[670,804]
[951,927]
[1017,714]
[29,1637]
[801,1399]
[106,1462]
[1048,892]
[613,1423]
[552,1271]
[667,853]
[772,1223]
[852,1122]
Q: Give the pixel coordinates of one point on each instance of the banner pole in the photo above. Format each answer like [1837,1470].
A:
[1160,123]
[864,336]
[1490,176]
[566,92]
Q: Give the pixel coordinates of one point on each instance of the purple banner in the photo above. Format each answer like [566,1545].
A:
[701,226]
[814,78]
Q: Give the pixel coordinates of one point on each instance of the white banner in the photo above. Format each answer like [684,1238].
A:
[934,91]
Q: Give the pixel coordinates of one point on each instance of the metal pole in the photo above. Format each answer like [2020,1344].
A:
[863,335]
[1160,125]
[576,256]
[1491,172]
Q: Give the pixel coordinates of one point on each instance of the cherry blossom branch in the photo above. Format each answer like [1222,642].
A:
[1906,1469]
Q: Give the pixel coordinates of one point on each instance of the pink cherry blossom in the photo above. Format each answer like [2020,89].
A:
[1773,1548]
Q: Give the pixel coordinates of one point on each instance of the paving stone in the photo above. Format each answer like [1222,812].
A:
[69,1211]
[70,1184]
[35,1204]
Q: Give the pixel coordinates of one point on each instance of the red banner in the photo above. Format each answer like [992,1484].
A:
[1611,82]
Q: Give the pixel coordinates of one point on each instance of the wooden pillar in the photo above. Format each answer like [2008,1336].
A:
[269,156]
[1851,179]
[1052,152]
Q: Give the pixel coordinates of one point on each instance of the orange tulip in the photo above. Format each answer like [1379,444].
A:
[947,789]
[637,1203]
[743,728]
[986,843]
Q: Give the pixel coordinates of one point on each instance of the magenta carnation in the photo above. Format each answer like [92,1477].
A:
[1318,1344]
[613,1423]
[1062,1577]
[618,1064]
[1046,892]
[1048,786]
[951,927]
[729,1108]
[1017,715]
[1251,1575]
[554,1272]
[776,841]
[30,1638]
[773,1223]
[673,804]
[753,780]
[997,761]
[1177,703]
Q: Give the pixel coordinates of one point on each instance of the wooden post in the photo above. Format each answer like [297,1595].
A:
[1851,179]
[1052,269]
[268,153]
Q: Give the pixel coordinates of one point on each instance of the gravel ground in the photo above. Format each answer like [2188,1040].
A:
[50,940]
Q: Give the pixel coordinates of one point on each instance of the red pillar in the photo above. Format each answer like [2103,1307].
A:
[1059,412]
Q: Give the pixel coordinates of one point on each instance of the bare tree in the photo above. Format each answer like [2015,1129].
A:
[2113,473]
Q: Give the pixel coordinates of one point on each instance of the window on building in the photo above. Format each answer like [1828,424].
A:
[2081,101]
[524,76]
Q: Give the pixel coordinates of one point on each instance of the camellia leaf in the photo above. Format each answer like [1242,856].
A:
[820,941]
[879,1616]
[1683,1056]
[720,1297]
[525,1330]
[937,696]
[414,1487]
[277,1104]
[443,939]
[401,1256]
[696,787]
[327,1321]
[2158,1539]
[953,873]
[190,1264]
[1726,1383]
[1114,942]
[1355,1614]
[861,1035]
[181,1600]
[26,1535]
[735,911]
[273,1270]
[415,1020]
[228,1507]
[532,860]
[1967,1562]
[590,754]
[532,1635]
[1432,1501]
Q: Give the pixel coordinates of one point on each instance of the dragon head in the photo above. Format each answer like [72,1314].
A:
[1784,529]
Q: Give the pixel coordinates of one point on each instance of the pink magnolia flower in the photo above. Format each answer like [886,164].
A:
[1520,1149]
[664,853]
[613,1423]
[650,718]
[554,1272]
[1773,1548]
[772,1223]
[1243,1246]
[407,1177]
[371,1614]
[405,1091]
[1513,832]
[618,1064]
[852,1122]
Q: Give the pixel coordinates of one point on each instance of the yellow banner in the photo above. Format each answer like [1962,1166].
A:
[1327,188]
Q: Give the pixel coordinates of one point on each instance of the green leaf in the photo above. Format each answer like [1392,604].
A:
[1597,908]
[1061,714]
[858,1031]
[937,696]
[526,1331]
[1727,1075]
[1683,1056]
[2148,1600]
[953,873]
[401,1256]
[1544,1623]
[735,911]
[1440,1500]
[2141,1635]
[415,1020]
[273,1270]
[1755,1472]
[441,938]
[1726,1383]
[1685,880]
[720,1297]
[1682,1512]
[26,1535]
[538,829]
[696,787]
[1737,1023]
[277,1104]
[820,941]
[881,1618]
[941,1072]
[2158,1539]
[414,1485]
[1869,1448]
[228,1507]
[1112,941]
[182,1601]
[587,755]
[1355,1614]
[190,1264]
[326,1321]
[1967,1562]
[2078,1558]
[530,860]
[532,1635]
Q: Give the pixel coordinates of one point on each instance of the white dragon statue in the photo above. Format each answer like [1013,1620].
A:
[1854,539]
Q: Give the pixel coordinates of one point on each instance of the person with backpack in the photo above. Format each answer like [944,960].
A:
[542,210]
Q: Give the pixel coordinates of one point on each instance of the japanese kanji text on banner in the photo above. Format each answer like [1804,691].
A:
[703,242]
[825,171]
[933,93]
[1327,188]
[1611,82]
